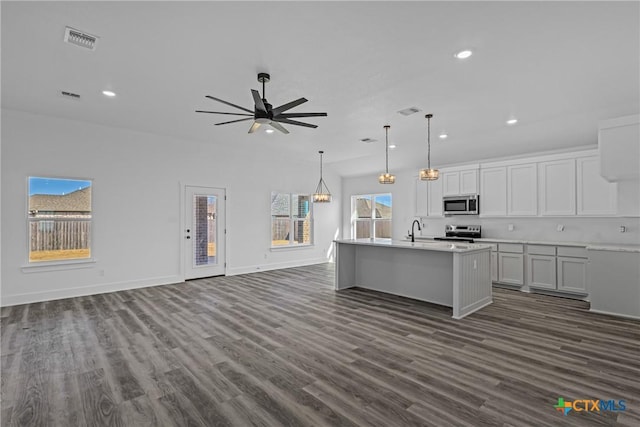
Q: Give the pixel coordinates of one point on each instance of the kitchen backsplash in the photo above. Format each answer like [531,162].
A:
[591,230]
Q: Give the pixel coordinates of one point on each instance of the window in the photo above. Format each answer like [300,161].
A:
[371,216]
[291,220]
[59,218]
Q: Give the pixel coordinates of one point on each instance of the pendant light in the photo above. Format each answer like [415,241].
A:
[387,178]
[322,194]
[429,174]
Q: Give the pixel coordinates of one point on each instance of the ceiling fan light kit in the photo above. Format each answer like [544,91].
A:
[322,193]
[263,113]
[429,174]
[386,178]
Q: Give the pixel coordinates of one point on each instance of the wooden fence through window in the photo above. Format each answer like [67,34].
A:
[54,234]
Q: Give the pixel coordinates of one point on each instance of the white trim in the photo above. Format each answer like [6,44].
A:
[32,297]
[41,267]
[291,247]
[610,313]
[231,271]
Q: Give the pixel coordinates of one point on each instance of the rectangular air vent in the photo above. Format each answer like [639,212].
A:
[409,111]
[69,95]
[78,38]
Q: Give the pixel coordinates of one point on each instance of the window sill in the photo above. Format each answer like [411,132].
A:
[58,265]
[290,247]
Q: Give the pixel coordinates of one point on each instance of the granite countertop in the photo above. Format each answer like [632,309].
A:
[423,245]
[615,247]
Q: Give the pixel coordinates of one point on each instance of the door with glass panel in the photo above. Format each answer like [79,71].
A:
[204,232]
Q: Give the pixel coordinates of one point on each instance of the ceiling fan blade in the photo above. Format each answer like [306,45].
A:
[254,127]
[278,126]
[234,121]
[288,106]
[220,112]
[293,122]
[290,115]
[258,100]
[228,103]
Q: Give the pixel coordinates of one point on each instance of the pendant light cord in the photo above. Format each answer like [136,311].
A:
[428,141]
[386,128]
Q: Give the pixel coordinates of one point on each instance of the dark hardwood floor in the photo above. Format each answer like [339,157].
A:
[283,348]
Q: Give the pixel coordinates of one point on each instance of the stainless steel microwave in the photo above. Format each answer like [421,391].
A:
[461,205]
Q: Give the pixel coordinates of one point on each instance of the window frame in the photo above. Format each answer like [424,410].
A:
[60,263]
[292,222]
[372,220]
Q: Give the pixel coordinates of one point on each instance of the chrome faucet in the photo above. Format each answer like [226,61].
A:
[413,233]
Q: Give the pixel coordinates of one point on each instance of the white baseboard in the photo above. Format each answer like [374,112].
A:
[610,313]
[103,288]
[274,266]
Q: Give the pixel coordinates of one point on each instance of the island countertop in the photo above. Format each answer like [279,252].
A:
[440,246]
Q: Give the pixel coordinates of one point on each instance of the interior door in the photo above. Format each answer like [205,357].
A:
[204,232]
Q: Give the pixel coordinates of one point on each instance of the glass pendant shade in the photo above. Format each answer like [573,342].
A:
[322,193]
[386,177]
[429,174]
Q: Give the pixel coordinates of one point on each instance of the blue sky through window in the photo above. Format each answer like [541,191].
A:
[384,199]
[55,186]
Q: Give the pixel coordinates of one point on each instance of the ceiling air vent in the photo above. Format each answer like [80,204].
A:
[69,95]
[368,140]
[409,111]
[78,38]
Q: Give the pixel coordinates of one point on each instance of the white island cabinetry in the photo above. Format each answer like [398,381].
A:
[450,274]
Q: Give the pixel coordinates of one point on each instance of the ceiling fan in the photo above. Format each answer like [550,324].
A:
[263,113]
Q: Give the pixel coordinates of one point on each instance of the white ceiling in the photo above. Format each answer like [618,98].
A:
[559,67]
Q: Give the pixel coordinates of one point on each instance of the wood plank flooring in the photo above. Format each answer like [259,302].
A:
[283,348]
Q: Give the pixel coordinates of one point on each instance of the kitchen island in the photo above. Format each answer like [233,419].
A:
[456,275]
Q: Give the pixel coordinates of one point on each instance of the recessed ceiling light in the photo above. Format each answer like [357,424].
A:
[463,54]
[108,93]
[512,121]
[392,146]
[443,136]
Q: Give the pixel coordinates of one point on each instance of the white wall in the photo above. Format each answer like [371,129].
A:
[137,179]
[576,229]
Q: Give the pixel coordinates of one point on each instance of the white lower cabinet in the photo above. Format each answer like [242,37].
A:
[510,268]
[542,271]
[572,274]
[566,272]
[494,266]
[510,264]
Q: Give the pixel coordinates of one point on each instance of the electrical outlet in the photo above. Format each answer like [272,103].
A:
[560,227]
[622,229]
[510,227]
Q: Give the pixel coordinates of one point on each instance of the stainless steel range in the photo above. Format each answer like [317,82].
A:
[461,233]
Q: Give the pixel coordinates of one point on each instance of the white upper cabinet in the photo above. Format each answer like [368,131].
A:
[460,181]
[469,181]
[493,191]
[435,197]
[450,183]
[422,196]
[619,148]
[596,196]
[428,198]
[522,190]
[557,187]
